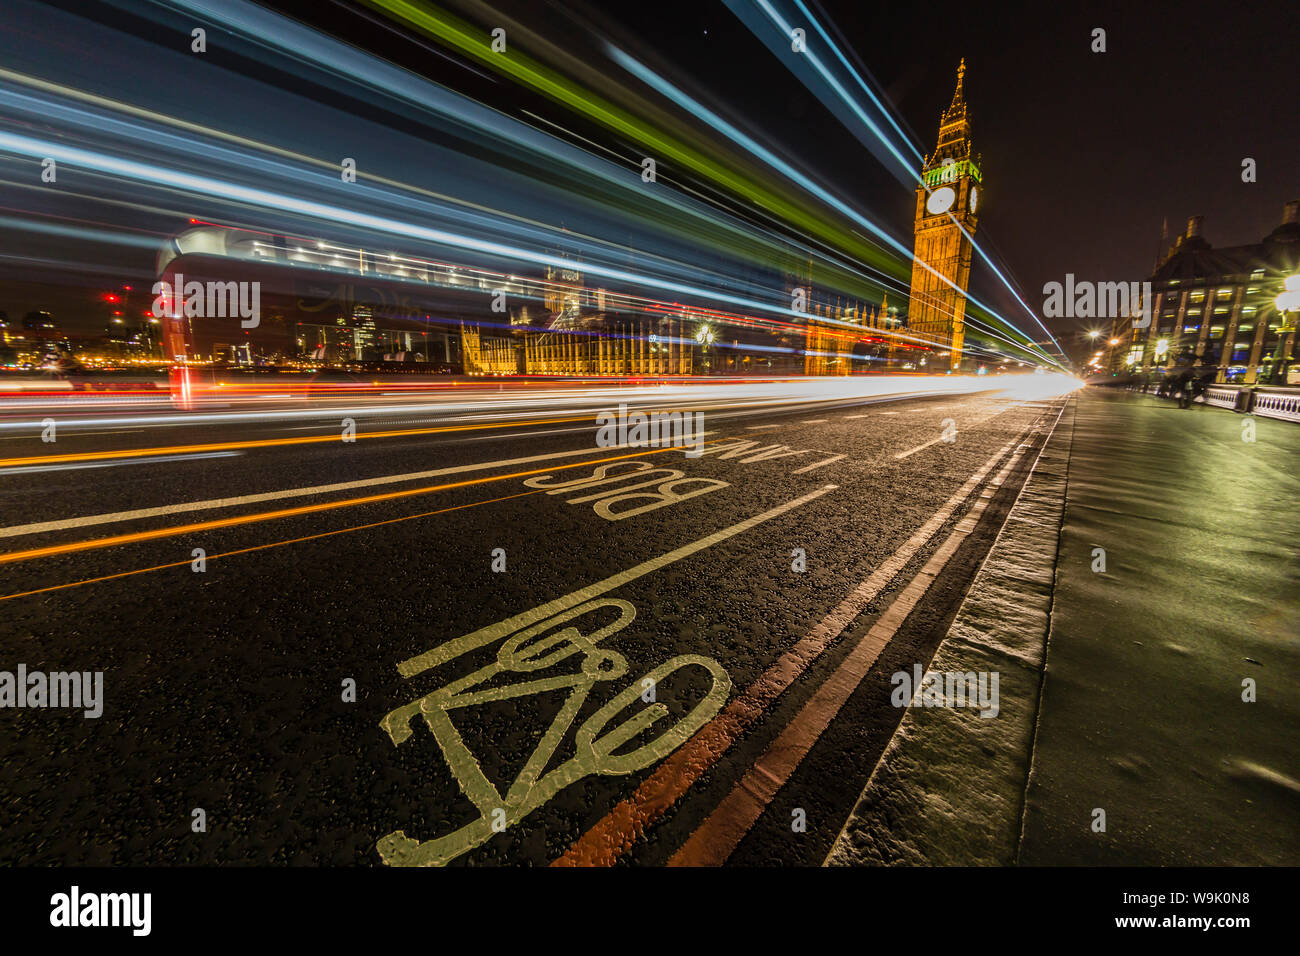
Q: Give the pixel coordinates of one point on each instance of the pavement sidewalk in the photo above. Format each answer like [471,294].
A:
[1142,713]
[1139,712]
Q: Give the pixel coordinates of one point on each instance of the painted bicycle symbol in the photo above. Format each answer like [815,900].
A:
[529,648]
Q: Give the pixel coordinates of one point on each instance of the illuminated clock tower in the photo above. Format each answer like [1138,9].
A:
[946,201]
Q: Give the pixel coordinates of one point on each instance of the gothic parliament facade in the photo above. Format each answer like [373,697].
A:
[577,332]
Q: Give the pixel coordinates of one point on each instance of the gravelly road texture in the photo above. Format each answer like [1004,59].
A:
[224,689]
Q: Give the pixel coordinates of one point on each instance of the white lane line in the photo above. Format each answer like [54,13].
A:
[913,451]
[495,436]
[968,425]
[868,415]
[452,649]
[817,464]
[34,469]
[125,431]
[214,503]
[753,427]
[716,838]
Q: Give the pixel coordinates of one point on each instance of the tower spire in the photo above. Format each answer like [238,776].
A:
[955,118]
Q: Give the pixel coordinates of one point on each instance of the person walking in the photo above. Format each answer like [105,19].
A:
[1196,386]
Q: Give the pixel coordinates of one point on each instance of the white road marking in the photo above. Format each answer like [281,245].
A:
[214,503]
[817,464]
[422,662]
[33,469]
[32,437]
[913,451]
[714,840]
[550,431]
[816,421]
[970,424]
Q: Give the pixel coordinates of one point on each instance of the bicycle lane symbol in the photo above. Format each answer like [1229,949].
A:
[533,650]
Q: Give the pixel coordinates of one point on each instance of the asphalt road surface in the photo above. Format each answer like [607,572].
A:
[546,667]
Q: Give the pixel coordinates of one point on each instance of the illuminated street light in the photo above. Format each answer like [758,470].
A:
[1288,306]
[1288,302]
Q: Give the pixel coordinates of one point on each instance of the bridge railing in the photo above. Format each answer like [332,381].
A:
[1223,396]
[1281,403]
[1264,401]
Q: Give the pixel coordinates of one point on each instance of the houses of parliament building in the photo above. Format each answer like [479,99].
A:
[580,331]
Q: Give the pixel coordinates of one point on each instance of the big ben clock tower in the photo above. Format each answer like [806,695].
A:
[946,203]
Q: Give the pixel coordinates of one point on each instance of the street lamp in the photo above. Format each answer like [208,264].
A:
[1288,305]
[705,337]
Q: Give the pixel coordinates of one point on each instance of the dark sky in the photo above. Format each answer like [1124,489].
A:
[1084,154]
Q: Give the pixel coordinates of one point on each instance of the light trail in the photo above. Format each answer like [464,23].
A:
[811,57]
[269,545]
[738,392]
[240,171]
[173,450]
[757,149]
[215,524]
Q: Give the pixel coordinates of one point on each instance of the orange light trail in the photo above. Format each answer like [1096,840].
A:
[271,544]
[269,442]
[217,523]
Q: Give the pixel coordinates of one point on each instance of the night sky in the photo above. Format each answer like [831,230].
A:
[1084,154]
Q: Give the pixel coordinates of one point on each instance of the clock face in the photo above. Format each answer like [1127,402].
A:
[974,195]
[940,200]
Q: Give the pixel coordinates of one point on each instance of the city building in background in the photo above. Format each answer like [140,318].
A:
[1214,309]
[325,304]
